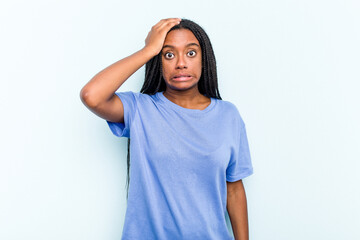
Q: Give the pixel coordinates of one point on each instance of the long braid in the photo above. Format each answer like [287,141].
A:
[208,82]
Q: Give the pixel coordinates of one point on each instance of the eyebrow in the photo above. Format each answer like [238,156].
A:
[188,45]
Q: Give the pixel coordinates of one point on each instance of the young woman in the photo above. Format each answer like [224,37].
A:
[189,150]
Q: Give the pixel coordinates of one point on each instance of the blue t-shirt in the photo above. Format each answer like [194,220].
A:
[180,160]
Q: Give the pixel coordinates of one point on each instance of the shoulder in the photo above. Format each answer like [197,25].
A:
[136,96]
[230,109]
[138,100]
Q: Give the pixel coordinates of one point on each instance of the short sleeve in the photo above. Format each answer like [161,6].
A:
[129,101]
[240,165]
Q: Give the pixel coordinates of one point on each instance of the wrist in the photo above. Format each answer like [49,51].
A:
[149,52]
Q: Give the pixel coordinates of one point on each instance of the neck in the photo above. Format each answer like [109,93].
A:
[191,98]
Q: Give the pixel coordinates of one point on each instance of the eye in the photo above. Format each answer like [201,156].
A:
[192,53]
[169,55]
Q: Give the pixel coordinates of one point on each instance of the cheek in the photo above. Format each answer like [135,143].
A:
[199,66]
[164,69]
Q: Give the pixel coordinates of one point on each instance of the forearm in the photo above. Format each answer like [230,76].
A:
[237,209]
[104,84]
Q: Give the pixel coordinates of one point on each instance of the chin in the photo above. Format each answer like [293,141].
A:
[182,86]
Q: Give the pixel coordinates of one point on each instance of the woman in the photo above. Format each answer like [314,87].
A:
[189,149]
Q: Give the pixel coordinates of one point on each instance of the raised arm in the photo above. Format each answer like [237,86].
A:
[98,95]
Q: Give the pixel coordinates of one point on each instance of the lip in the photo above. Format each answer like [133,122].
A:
[182,77]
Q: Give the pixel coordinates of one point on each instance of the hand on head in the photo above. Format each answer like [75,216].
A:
[156,37]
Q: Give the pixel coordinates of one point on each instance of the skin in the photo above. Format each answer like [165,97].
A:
[237,209]
[98,95]
[181,54]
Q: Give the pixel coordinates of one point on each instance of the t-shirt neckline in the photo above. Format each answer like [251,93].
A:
[186,110]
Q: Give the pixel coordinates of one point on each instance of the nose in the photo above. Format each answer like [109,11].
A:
[181,63]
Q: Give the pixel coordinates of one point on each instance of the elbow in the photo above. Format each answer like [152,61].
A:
[87,98]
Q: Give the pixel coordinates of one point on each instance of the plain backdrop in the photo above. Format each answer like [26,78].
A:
[291,67]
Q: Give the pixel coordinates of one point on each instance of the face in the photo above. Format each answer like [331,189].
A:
[181,60]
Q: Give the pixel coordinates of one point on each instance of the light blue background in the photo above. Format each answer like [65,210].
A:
[291,68]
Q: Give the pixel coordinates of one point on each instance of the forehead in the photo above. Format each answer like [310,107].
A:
[180,37]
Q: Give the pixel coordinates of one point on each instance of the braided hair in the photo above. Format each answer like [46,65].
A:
[154,81]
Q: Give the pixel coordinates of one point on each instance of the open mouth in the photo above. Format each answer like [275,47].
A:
[182,77]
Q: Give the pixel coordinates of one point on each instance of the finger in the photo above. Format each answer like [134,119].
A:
[175,19]
[168,25]
[170,19]
[166,21]
[162,21]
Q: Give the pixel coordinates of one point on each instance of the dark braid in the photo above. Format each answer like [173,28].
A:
[208,82]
